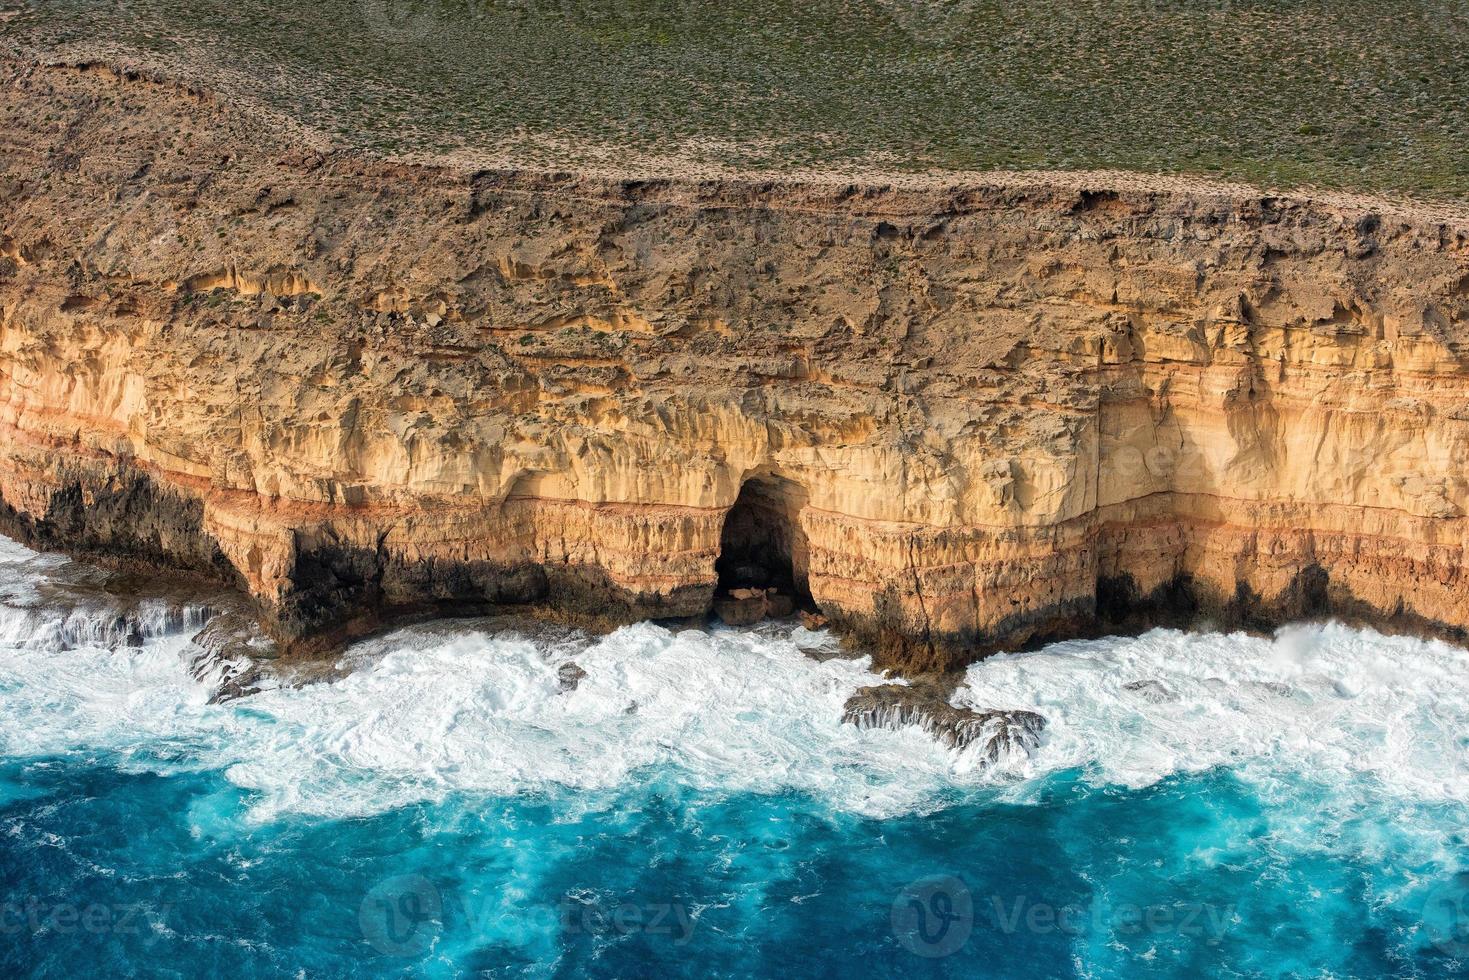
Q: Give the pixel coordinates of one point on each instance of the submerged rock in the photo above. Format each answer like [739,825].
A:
[895,706]
[229,680]
[1153,692]
[1272,688]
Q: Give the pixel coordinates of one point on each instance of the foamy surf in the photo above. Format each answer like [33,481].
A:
[427,711]
[1388,713]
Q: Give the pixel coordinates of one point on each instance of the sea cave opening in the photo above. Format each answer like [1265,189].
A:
[763,553]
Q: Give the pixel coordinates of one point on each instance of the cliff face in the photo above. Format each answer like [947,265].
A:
[956,418]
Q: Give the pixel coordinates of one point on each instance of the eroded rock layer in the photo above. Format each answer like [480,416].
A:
[967,416]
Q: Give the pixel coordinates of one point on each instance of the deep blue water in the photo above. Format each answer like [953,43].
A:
[435,804]
[137,871]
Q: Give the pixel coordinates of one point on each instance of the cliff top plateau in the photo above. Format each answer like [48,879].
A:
[1273,94]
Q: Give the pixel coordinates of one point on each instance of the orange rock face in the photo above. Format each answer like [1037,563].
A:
[969,416]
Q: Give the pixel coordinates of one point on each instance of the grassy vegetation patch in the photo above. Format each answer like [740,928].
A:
[1354,94]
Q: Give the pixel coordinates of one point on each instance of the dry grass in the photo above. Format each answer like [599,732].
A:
[1351,94]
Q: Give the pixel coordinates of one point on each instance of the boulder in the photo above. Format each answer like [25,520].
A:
[569,675]
[778,605]
[742,607]
[813,621]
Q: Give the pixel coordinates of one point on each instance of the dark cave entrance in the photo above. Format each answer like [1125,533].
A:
[763,550]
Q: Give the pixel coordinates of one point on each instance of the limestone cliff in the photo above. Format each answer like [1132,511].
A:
[961,416]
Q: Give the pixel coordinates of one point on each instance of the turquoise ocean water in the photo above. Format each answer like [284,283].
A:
[435,805]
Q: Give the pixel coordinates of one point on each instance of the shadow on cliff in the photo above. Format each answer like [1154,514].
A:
[1119,607]
[762,569]
[123,518]
[340,591]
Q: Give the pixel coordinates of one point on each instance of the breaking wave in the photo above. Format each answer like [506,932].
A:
[1387,713]
[474,706]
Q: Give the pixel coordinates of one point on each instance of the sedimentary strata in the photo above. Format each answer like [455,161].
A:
[949,418]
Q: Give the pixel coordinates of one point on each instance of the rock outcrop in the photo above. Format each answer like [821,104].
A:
[569,676]
[745,607]
[926,707]
[949,418]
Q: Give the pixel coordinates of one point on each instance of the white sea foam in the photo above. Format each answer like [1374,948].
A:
[1387,713]
[723,710]
[443,710]
[427,711]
